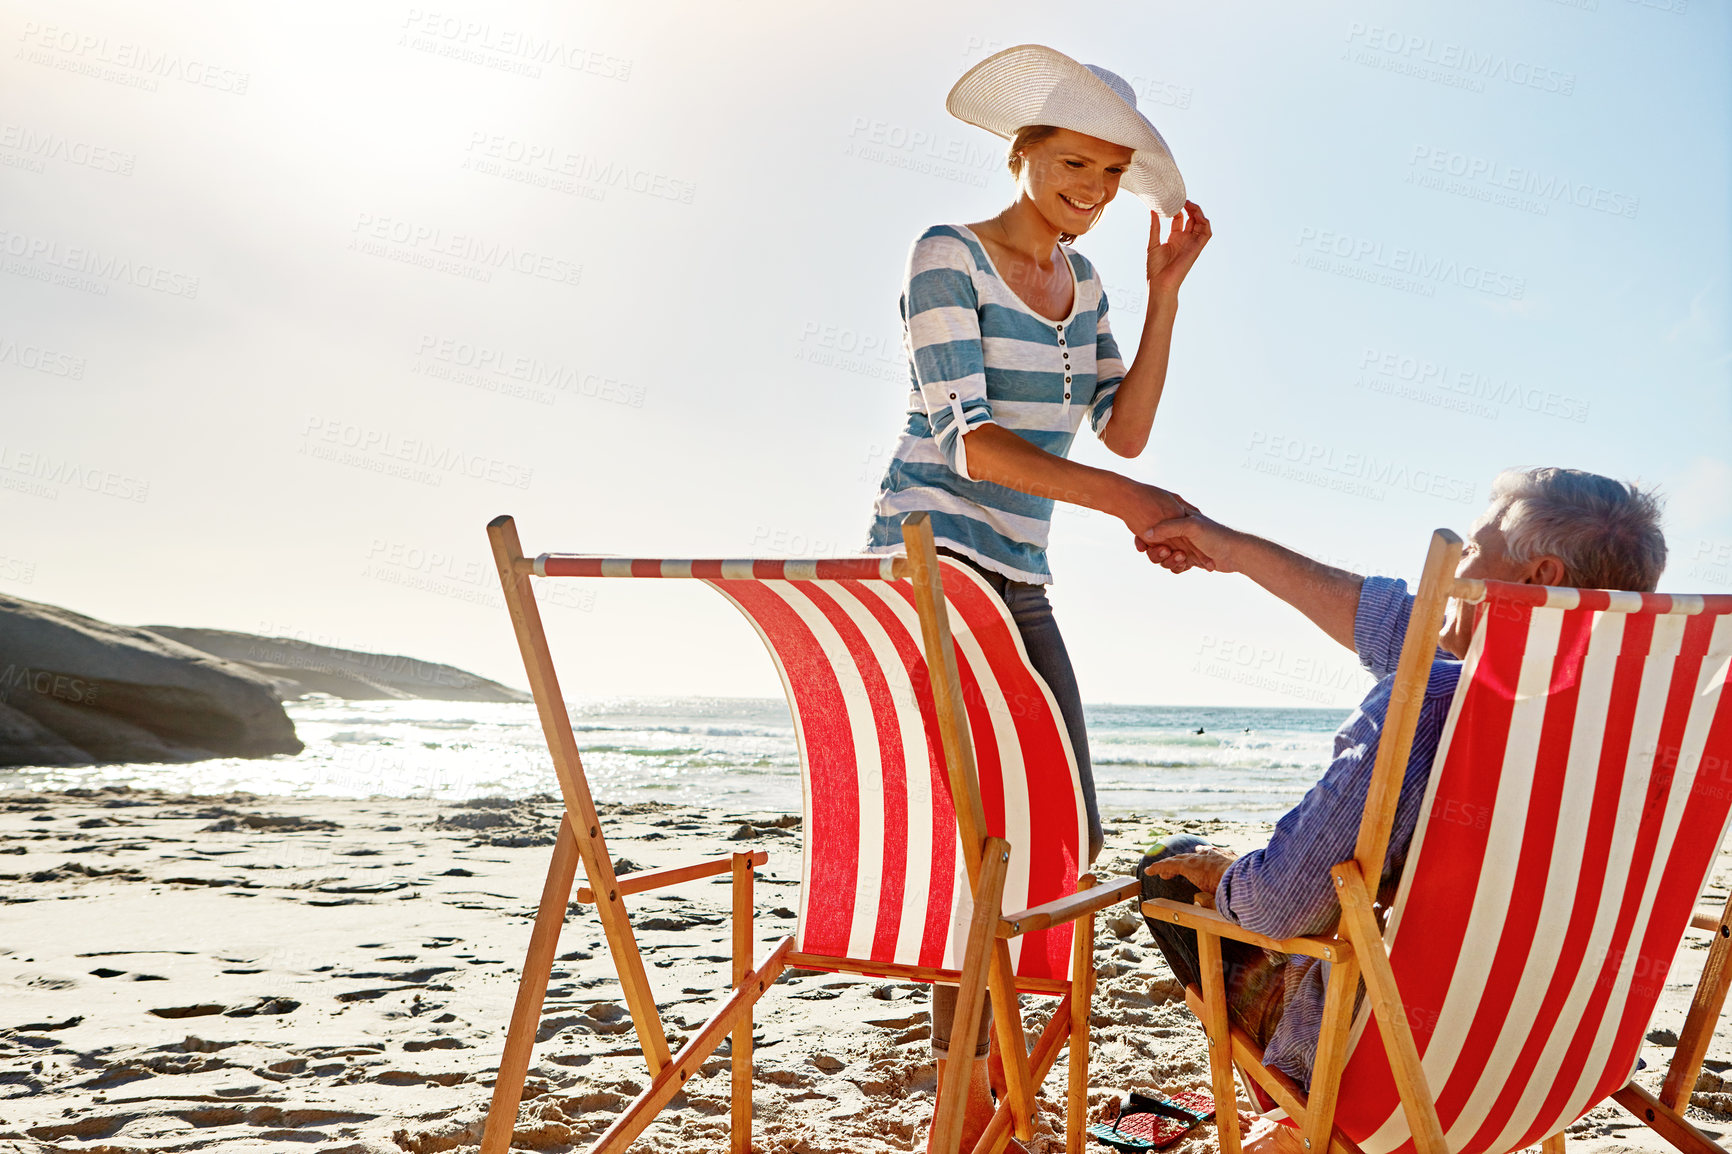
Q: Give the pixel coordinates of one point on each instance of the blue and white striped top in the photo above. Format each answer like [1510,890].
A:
[978,354]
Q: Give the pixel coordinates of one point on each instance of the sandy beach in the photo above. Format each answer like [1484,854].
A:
[243,973]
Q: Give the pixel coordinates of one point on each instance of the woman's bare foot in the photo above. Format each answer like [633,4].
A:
[995,1070]
[977,1110]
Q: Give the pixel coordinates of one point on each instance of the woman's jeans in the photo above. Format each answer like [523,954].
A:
[1032,613]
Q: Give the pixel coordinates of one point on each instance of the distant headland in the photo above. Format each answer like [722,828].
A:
[75,690]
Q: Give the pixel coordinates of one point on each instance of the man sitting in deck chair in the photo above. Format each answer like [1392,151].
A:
[1544,527]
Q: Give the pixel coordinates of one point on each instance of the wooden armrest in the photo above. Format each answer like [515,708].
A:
[656,879]
[1070,908]
[1207,921]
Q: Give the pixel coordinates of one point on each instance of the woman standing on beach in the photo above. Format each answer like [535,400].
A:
[1006,331]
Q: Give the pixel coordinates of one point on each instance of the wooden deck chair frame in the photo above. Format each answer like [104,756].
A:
[986,961]
[1357,951]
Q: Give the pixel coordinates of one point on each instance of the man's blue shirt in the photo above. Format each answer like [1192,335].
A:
[1284,889]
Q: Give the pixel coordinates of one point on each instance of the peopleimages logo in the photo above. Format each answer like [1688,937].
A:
[462,253]
[39,146]
[1264,667]
[1373,256]
[1712,562]
[414,458]
[1426,56]
[495,154]
[1515,186]
[39,359]
[1348,471]
[17,569]
[1480,393]
[941,155]
[20,467]
[508,49]
[499,370]
[48,684]
[104,268]
[108,59]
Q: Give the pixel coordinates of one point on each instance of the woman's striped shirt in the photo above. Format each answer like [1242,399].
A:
[978,354]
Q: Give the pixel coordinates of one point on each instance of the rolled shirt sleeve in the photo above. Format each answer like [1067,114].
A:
[1109,370]
[941,310]
[1380,624]
[1284,889]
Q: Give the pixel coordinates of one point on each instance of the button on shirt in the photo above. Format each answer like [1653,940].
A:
[977,355]
[1284,889]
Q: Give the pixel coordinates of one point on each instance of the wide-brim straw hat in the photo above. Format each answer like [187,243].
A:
[1034,84]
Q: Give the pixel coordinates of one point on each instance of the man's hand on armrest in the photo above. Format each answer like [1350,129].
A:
[1328,596]
[1202,868]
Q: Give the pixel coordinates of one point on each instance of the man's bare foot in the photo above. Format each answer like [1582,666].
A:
[1266,1137]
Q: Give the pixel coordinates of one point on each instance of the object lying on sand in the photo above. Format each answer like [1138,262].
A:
[1145,1122]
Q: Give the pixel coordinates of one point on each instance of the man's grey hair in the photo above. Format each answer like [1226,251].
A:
[1606,532]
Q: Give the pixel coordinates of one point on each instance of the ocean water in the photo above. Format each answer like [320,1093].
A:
[730,754]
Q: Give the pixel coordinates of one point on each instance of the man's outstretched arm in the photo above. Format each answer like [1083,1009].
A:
[1328,596]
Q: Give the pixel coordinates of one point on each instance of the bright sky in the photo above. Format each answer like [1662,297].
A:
[296,298]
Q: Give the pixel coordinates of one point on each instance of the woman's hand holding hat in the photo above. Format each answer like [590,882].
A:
[1170,261]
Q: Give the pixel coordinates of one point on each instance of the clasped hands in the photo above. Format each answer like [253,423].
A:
[1173,532]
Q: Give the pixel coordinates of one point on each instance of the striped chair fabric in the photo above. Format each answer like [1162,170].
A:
[882,878]
[1579,798]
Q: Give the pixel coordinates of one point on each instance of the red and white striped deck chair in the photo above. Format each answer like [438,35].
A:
[1575,807]
[940,791]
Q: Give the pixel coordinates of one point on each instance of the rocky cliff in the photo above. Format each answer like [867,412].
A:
[75,690]
[298,668]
